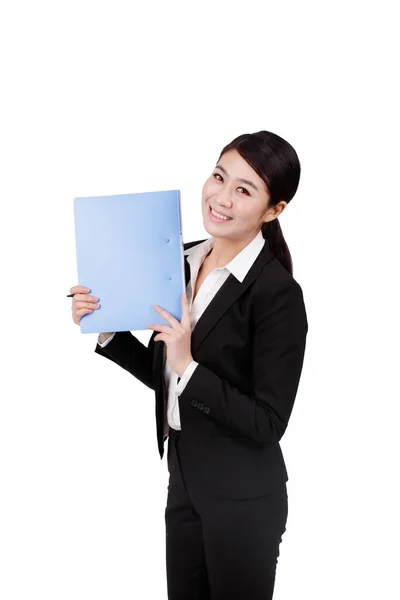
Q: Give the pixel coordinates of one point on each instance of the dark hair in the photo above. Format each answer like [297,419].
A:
[278,165]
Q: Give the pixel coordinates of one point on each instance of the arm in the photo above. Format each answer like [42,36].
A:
[129,353]
[280,328]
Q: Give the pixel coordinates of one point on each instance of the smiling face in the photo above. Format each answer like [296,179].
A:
[234,189]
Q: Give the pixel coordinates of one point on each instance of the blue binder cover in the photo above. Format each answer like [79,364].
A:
[129,253]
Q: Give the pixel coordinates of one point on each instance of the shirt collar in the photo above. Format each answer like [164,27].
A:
[239,266]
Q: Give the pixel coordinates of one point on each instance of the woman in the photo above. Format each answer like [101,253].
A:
[226,377]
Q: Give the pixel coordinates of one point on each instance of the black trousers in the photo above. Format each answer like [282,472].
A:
[220,549]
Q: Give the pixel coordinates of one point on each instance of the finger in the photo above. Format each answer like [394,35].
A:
[81,304]
[84,298]
[185,312]
[76,317]
[84,311]
[163,328]
[167,316]
[79,289]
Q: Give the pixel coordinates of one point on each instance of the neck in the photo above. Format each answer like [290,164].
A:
[225,250]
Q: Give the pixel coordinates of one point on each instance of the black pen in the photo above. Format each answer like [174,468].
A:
[72,295]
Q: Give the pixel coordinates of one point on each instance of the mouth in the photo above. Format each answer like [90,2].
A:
[215,218]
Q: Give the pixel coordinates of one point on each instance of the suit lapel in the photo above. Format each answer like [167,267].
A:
[227,295]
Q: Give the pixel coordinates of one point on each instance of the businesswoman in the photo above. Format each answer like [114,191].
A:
[225,378]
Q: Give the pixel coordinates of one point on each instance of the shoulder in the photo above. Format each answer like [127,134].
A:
[275,279]
[276,290]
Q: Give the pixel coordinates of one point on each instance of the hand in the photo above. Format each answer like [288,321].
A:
[177,337]
[82,303]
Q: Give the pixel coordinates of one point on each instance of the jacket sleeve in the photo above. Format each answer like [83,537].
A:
[279,338]
[129,353]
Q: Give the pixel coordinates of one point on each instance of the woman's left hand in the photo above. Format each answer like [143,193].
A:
[177,337]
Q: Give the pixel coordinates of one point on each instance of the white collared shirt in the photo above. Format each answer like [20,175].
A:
[239,266]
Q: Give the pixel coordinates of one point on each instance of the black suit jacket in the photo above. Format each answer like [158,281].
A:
[250,344]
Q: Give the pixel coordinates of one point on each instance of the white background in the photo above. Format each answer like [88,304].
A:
[106,98]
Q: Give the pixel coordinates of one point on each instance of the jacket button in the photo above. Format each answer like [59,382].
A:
[206,409]
[200,405]
[194,403]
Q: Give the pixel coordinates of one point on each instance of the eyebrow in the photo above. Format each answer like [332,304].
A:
[250,183]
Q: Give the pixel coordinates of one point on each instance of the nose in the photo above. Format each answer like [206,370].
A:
[224,198]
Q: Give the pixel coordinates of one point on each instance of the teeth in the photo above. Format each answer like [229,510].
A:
[220,216]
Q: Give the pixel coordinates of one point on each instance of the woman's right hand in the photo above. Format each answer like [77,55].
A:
[82,303]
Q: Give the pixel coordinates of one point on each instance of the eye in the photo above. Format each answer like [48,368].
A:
[242,188]
[239,188]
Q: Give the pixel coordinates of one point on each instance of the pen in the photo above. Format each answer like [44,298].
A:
[72,295]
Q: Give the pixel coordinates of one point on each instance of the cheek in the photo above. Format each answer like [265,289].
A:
[245,213]
[209,188]
[205,192]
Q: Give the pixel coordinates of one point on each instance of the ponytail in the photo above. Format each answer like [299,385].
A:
[272,232]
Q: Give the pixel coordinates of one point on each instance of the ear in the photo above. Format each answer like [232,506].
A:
[274,211]
[281,206]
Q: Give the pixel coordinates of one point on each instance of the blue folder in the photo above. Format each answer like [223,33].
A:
[129,253]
